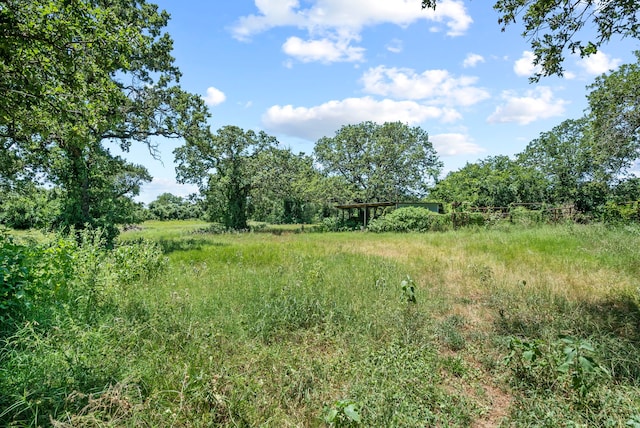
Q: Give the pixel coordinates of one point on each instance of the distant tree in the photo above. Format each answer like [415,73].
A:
[380,162]
[553,27]
[285,187]
[614,102]
[494,181]
[171,207]
[225,168]
[77,76]
[566,156]
[28,206]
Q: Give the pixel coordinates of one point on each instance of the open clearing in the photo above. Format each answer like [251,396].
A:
[510,326]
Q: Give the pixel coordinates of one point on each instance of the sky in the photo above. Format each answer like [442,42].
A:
[301,69]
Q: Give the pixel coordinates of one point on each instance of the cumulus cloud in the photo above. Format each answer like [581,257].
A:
[454,144]
[323,50]
[472,60]
[524,66]
[599,63]
[436,86]
[536,104]
[311,123]
[214,96]
[341,22]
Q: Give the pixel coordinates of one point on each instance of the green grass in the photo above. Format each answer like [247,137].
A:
[277,330]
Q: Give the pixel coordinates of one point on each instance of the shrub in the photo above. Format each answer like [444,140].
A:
[336,224]
[615,213]
[411,219]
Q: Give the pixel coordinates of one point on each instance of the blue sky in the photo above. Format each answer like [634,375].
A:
[300,69]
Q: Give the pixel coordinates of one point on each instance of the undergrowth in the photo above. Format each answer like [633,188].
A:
[513,326]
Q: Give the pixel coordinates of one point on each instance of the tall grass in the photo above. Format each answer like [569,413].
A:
[298,329]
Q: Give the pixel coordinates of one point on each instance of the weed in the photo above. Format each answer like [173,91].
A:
[408,288]
[342,413]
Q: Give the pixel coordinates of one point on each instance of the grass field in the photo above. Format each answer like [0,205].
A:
[510,327]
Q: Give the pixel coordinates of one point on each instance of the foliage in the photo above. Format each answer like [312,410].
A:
[568,362]
[170,207]
[226,170]
[61,274]
[408,287]
[287,188]
[79,76]
[615,213]
[553,28]
[615,115]
[388,162]
[32,278]
[492,182]
[29,207]
[337,224]
[411,219]
[343,413]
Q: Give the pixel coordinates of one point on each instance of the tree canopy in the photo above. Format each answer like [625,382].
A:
[386,162]
[614,103]
[555,28]
[76,76]
[224,166]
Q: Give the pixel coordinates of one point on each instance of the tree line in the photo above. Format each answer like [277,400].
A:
[84,77]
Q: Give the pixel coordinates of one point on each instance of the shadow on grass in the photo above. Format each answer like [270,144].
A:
[611,324]
[181,244]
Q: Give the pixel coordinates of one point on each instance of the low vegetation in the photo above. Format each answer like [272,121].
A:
[510,325]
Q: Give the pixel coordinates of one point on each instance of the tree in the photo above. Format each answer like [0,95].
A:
[615,111]
[492,182]
[81,74]
[385,162]
[171,207]
[567,157]
[285,190]
[225,168]
[553,28]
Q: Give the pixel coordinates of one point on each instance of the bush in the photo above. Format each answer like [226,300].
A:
[67,275]
[336,224]
[411,219]
[615,213]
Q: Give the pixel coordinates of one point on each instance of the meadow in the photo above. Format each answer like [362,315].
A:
[480,327]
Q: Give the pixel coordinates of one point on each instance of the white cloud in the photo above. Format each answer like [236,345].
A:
[454,144]
[599,63]
[395,46]
[214,96]
[536,104]
[311,123]
[524,66]
[323,50]
[435,86]
[472,60]
[342,21]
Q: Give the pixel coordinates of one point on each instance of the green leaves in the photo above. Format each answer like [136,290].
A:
[224,166]
[77,74]
[343,413]
[386,162]
[408,288]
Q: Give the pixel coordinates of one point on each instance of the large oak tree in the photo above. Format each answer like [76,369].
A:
[79,76]
[388,162]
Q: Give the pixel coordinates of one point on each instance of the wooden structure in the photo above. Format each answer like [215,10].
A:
[369,210]
[366,211]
